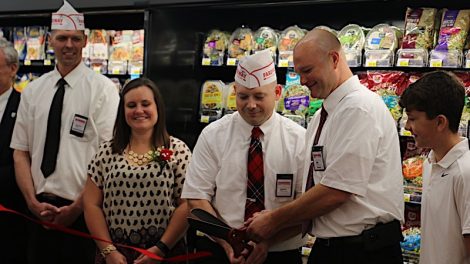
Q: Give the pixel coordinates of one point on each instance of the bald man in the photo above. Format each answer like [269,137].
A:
[353,199]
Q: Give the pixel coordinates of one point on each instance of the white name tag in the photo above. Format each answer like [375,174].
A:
[317,158]
[78,125]
[284,185]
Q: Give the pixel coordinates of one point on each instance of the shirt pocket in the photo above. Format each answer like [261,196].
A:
[88,134]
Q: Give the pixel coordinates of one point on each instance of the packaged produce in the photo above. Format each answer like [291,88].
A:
[419,28]
[215,46]
[137,51]
[231,98]
[241,43]
[35,43]
[296,99]
[289,38]
[19,41]
[454,29]
[382,36]
[389,85]
[266,38]
[99,40]
[352,37]
[212,100]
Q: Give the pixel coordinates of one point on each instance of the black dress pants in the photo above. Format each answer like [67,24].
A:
[54,247]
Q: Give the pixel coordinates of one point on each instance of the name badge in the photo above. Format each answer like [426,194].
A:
[317,158]
[284,185]
[78,125]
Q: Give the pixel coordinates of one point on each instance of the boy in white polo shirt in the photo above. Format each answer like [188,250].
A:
[434,107]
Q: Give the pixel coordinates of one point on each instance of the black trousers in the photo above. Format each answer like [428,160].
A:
[380,244]
[220,257]
[13,228]
[54,247]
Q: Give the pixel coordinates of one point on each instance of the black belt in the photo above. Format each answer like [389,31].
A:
[381,234]
[53,199]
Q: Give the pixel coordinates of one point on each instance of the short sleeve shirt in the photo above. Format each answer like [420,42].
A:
[87,94]
[218,171]
[138,201]
[445,208]
[362,157]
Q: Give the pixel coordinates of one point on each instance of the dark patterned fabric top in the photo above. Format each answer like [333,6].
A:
[138,201]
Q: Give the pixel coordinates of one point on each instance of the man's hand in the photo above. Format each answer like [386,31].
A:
[261,226]
[67,215]
[259,253]
[43,211]
[229,251]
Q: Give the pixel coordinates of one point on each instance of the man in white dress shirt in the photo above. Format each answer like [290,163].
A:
[218,175]
[353,203]
[53,147]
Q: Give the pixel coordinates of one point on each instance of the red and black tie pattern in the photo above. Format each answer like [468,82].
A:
[255,181]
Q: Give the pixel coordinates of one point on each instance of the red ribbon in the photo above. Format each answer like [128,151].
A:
[149,254]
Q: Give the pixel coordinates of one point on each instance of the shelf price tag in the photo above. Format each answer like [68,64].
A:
[436,63]
[135,70]
[407,197]
[232,61]
[467,63]
[204,119]
[283,63]
[306,251]
[116,70]
[206,62]
[27,62]
[403,62]
[371,63]
[47,62]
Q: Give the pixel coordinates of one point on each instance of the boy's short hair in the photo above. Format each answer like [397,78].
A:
[436,93]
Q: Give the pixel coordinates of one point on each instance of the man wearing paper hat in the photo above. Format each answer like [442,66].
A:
[246,162]
[62,118]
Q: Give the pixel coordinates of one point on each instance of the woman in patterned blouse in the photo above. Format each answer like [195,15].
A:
[132,195]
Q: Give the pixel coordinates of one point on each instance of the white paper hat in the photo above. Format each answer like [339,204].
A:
[256,70]
[67,18]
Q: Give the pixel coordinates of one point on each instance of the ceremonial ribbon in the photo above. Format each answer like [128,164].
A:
[149,254]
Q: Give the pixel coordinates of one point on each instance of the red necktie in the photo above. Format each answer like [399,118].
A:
[307,225]
[255,181]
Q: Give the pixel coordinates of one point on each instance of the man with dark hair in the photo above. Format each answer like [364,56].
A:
[12,228]
[62,118]
[434,106]
[353,200]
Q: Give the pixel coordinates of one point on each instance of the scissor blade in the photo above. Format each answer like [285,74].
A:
[208,217]
[209,228]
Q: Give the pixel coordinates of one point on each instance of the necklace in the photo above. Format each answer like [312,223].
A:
[140,159]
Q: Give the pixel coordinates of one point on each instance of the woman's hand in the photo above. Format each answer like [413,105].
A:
[143,259]
[115,257]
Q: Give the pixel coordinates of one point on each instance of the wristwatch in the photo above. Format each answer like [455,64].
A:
[163,247]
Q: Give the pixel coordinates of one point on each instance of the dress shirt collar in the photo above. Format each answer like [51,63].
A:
[349,86]
[246,128]
[73,77]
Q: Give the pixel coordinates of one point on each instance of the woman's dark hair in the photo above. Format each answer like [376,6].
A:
[122,131]
[436,93]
